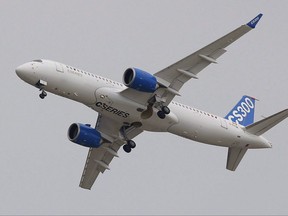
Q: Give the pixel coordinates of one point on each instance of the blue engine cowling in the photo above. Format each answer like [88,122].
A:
[139,80]
[84,135]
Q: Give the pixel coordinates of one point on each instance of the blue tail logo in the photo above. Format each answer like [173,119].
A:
[243,112]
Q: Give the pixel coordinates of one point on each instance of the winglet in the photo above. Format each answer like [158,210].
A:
[253,22]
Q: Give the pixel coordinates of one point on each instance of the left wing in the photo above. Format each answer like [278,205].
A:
[260,127]
[98,159]
[172,78]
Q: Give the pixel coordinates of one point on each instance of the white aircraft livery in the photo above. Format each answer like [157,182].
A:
[145,102]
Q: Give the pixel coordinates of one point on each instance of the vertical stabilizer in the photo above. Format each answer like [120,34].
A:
[243,112]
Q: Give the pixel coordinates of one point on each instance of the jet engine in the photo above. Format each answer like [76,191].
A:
[84,135]
[139,80]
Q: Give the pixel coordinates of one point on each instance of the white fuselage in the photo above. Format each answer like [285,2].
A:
[103,95]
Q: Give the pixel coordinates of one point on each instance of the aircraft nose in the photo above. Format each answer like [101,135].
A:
[22,71]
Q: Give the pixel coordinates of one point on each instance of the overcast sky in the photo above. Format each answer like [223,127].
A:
[165,174]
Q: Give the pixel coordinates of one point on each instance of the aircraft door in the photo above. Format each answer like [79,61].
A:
[223,123]
[59,67]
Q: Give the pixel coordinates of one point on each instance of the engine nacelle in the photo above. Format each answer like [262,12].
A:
[84,135]
[139,80]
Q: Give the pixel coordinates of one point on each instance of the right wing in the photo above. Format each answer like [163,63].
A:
[98,159]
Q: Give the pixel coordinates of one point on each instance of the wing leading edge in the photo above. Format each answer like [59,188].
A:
[98,159]
[174,76]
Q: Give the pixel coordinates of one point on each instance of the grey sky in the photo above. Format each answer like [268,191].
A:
[165,174]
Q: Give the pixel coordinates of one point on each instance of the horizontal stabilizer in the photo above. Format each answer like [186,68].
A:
[266,124]
[234,157]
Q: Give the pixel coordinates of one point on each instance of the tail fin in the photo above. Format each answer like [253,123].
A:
[266,124]
[243,112]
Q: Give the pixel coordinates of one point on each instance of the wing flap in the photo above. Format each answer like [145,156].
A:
[99,159]
[173,77]
[90,167]
[197,61]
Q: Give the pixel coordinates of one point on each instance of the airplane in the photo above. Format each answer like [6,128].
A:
[144,102]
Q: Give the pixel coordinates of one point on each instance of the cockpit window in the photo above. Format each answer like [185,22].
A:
[38,60]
